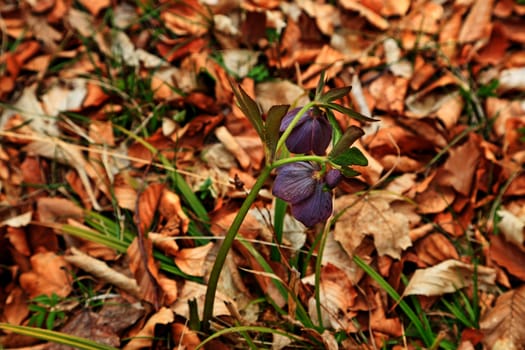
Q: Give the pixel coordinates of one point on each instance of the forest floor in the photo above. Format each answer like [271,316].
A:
[132,132]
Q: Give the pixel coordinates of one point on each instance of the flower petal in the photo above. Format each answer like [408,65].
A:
[314,209]
[287,119]
[295,182]
[300,139]
[333,177]
[321,134]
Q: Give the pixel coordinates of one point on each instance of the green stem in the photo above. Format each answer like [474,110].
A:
[318,267]
[290,127]
[309,158]
[226,245]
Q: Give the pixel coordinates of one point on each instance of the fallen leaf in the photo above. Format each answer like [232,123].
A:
[49,274]
[18,221]
[148,202]
[475,25]
[197,291]
[502,325]
[95,6]
[145,271]
[460,167]
[371,215]
[101,270]
[435,248]
[191,260]
[144,338]
[512,227]
[507,255]
[53,210]
[337,299]
[448,277]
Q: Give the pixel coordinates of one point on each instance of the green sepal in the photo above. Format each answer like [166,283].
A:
[349,112]
[352,156]
[273,122]
[349,172]
[249,107]
[337,133]
[349,137]
[335,94]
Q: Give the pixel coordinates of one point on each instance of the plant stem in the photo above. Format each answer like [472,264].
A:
[290,127]
[307,158]
[226,245]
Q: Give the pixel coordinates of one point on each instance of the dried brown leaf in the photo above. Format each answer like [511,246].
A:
[448,277]
[475,25]
[101,270]
[53,210]
[144,338]
[145,271]
[507,255]
[338,297]
[371,215]
[49,274]
[191,260]
[503,325]
[147,206]
[434,249]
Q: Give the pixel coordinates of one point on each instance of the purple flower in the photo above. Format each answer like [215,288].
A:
[312,133]
[310,198]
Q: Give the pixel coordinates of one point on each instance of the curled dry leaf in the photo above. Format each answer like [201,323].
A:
[191,260]
[147,206]
[434,249]
[197,291]
[170,207]
[49,274]
[503,325]
[460,167]
[144,338]
[145,271]
[101,270]
[337,299]
[512,227]
[53,210]
[475,25]
[507,255]
[448,277]
[371,215]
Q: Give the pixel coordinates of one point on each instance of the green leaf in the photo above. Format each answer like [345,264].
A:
[352,156]
[349,172]
[320,85]
[249,107]
[349,137]
[273,122]
[349,112]
[335,94]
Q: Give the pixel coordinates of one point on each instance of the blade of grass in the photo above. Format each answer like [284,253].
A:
[426,334]
[247,329]
[180,184]
[56,337]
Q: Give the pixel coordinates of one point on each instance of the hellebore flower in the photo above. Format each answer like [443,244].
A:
[310,196]
[312,133]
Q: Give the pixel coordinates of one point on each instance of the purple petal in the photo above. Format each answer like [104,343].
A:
[294,182]
[321,135]
[300,139]
[314,209]
[333,177]
[287,119]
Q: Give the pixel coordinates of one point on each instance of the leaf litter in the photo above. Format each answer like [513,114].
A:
[440,204]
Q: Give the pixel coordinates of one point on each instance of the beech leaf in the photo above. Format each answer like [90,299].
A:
[503,325]
[448,277]
[371,215]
